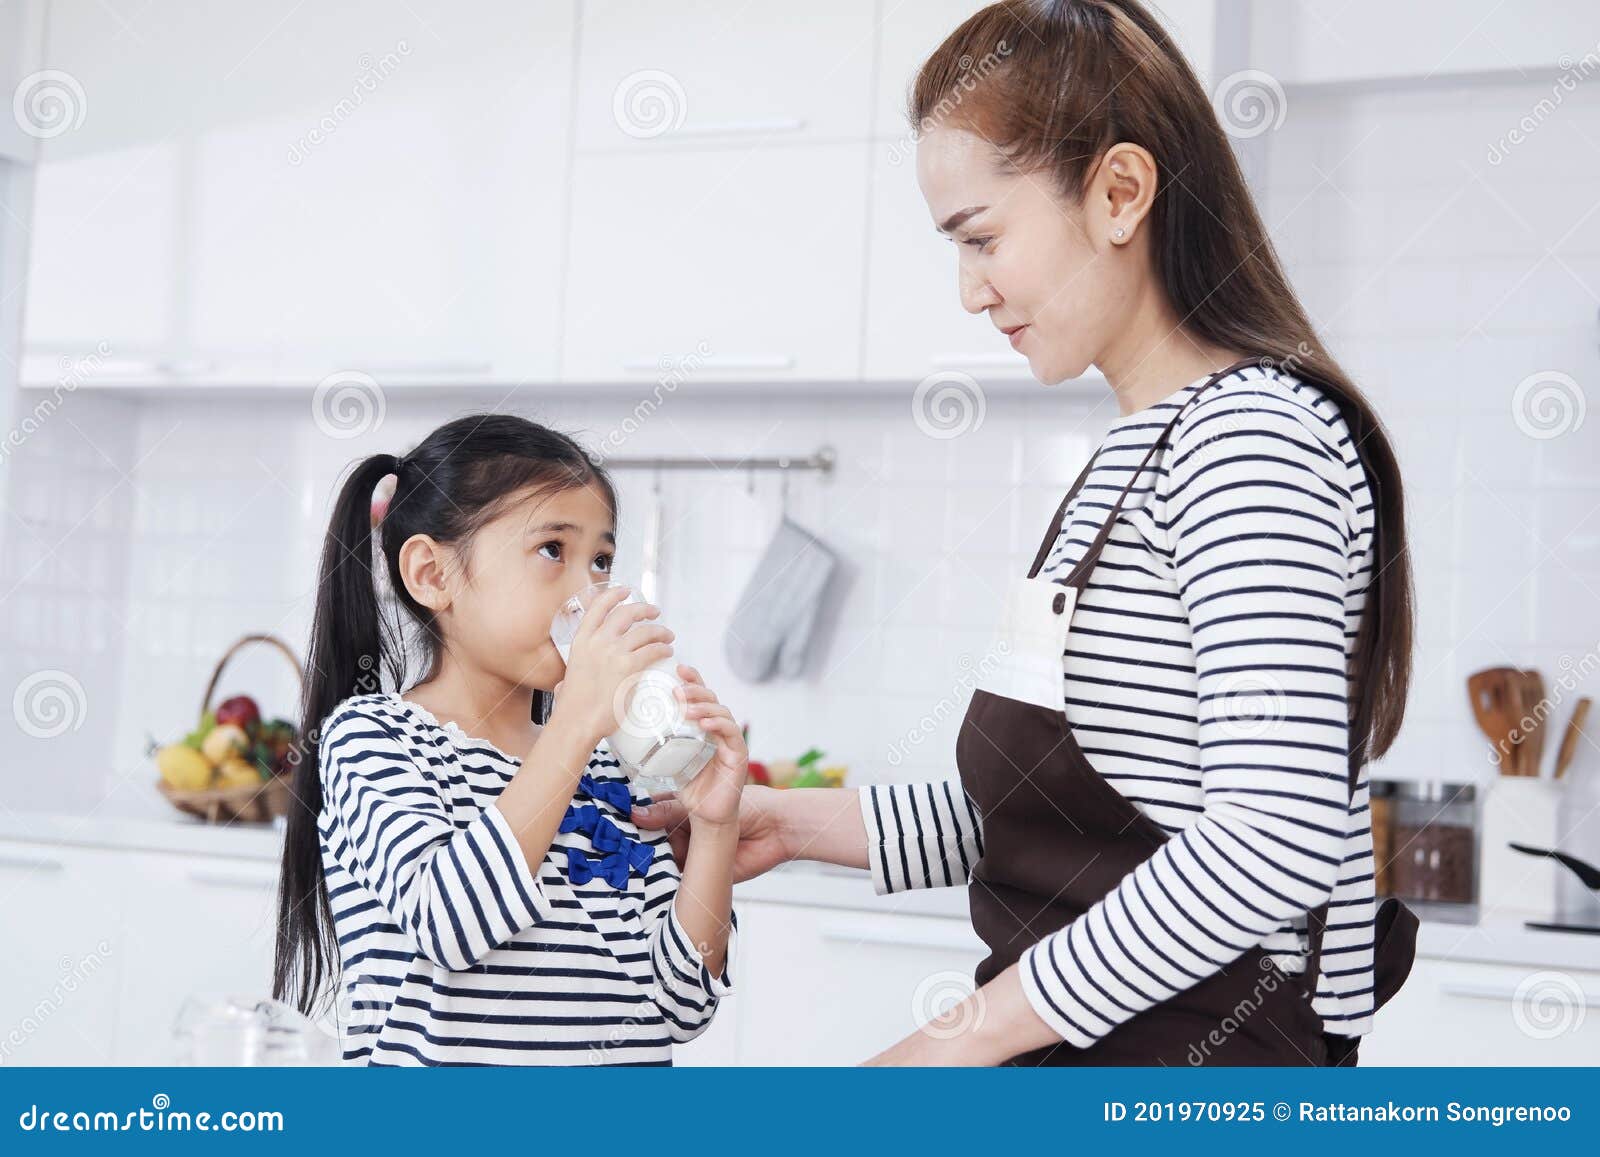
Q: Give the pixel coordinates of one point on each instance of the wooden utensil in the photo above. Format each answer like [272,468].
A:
[1534,710]
[1496,698]
[1569,741]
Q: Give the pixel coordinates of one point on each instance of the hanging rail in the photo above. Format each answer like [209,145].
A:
[822,461]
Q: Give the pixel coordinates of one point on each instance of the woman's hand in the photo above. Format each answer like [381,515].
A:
[612,645]
[712,796]
[991,1025]
[763,844]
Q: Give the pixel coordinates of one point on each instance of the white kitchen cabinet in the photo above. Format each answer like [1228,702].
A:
[63,955]
[21,34]
[1460,1013]
[656,75]
[192,926]
[1307,42]
[829,987]
[257,194]
[717,263]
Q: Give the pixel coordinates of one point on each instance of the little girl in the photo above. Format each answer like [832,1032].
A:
[476,878]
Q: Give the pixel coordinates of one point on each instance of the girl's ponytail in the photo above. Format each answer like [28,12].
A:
[344,659]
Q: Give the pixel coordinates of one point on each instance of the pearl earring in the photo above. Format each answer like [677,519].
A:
[1118,235]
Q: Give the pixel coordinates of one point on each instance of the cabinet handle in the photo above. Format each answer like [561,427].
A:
[1504,992]
[757,362]
[424,367]
[740,128]
[36,863]
[230,880]
[957,939]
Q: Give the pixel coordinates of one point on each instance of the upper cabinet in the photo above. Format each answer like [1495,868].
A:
[38,106]
[690,265]
[1305,42]
[691,72]
[253,195]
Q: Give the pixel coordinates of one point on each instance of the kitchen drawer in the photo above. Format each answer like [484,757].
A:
[827,987]
[1455,1013]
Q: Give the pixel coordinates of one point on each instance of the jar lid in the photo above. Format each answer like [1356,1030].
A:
[1434,791]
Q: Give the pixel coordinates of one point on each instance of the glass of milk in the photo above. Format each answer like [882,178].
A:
[653,741]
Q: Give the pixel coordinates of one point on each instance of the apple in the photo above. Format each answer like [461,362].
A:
[758,772]
[241,711]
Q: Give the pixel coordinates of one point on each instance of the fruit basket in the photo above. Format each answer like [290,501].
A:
[234,767]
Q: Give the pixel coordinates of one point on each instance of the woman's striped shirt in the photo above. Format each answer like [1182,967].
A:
[453,951]
[1205,678]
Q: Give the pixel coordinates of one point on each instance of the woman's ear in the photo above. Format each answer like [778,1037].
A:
[1121,193]
[424,570]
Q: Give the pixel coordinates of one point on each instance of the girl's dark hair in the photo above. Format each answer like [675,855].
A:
[1053,84]
[460,477]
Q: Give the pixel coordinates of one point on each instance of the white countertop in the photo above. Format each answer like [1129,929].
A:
[1494,941]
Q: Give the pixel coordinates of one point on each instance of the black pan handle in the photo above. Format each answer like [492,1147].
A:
[1587,872]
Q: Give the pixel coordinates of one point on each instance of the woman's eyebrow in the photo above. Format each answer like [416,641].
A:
[960,217]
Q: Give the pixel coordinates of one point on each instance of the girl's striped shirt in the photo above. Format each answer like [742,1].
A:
[1205,678]
[453,951]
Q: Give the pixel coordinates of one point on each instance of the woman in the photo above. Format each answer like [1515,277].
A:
[1164,826]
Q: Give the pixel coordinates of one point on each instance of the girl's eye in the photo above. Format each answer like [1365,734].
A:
[551,546]
[602,563]
[978,243]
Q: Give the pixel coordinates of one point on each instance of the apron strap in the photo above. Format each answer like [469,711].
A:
[1079,575]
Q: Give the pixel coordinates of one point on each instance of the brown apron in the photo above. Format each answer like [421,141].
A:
[1057,837]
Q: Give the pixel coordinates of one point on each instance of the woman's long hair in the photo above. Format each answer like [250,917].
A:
[1053,84]
[461,476]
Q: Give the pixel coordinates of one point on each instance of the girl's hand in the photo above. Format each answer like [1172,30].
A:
[712,796]
[612,645]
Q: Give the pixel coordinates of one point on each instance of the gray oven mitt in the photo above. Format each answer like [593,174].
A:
[777,613]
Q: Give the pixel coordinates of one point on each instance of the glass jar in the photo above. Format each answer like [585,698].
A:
[1381,812]
[1434,837]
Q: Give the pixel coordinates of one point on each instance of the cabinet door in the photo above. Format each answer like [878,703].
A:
[359,186]
[1452,1013]
[653,74]
[828,987]
[742,264]
[64,951]
[194,926]
[1375,40]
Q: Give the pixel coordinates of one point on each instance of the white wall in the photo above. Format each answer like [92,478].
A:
[1447,268]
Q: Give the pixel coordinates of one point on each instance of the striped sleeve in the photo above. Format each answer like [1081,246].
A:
[686,992]
[457,892]
[1259,534]
[920,835]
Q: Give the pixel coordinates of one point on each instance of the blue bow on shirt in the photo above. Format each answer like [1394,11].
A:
[614,869]
[623,855]
[610,792]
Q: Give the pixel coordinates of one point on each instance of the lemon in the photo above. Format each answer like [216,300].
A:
[183,767]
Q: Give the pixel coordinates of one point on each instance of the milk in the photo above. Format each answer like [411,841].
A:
[653,741]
